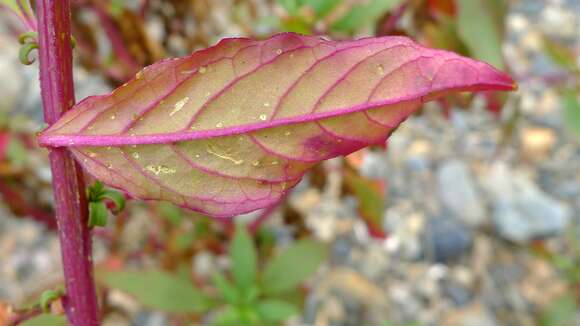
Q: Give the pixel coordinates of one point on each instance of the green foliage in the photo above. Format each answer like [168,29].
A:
[561,312]
[249,302]
[97,192]
[304,14]
[292,266]
[47,298]
[480,29]
[560,54]
[244,258]
[321,8]
[291,6]
[275,310]
[160,290]
[243,298]
[228,291]
[98,212]
[16,152]
[363,14]
[371,201]
[46,320]
[170,212]
[572,112]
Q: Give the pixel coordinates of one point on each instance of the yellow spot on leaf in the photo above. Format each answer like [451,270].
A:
[179,105]
[213,151]
[160,169]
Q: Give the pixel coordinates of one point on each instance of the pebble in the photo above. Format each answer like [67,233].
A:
[521,211]
[458,193]
[537,142]
[445,240]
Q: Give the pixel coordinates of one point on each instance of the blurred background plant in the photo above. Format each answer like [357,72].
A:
[470,215]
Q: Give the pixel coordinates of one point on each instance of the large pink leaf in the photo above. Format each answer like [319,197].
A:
[231,128]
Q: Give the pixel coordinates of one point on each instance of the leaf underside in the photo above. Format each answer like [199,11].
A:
[232,128]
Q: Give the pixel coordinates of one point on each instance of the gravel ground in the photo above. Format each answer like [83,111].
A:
[462,208]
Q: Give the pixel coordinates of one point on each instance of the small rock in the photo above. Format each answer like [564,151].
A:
[404,229]
[537,142]
[459,295]
[523,212]
[418,155]
[458,193]
[474,315]
[445,240]
[146,318]
[204,264]
[373,165]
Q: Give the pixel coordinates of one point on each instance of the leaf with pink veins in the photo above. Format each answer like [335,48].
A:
[232,128]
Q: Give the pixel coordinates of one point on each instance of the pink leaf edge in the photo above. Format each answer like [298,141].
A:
[232,128]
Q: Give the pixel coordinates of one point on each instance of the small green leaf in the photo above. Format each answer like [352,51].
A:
[291,6]
[28,37]
[170,212]
[371,202]
[227,290]
[185,240]
[160,290]
[293,266]
[560,54]
[560,312]
[46,320]
[228,316]
[275,310]
[47,298]
[364,14]
[480,29]
[250,294]
[16,152]
[297,25]
[24,53]
[244,258]
[116,197]
[117,7]
[572,112]
[95,191]
[249,315]
[322,7]
[98,214]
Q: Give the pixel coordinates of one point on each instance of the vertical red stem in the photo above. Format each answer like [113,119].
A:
[55,57]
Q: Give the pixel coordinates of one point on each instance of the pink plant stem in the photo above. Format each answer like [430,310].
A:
[55,56]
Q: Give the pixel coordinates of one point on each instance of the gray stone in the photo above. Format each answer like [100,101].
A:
[521,211]
[146,318]
[445,240]
[458,193]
